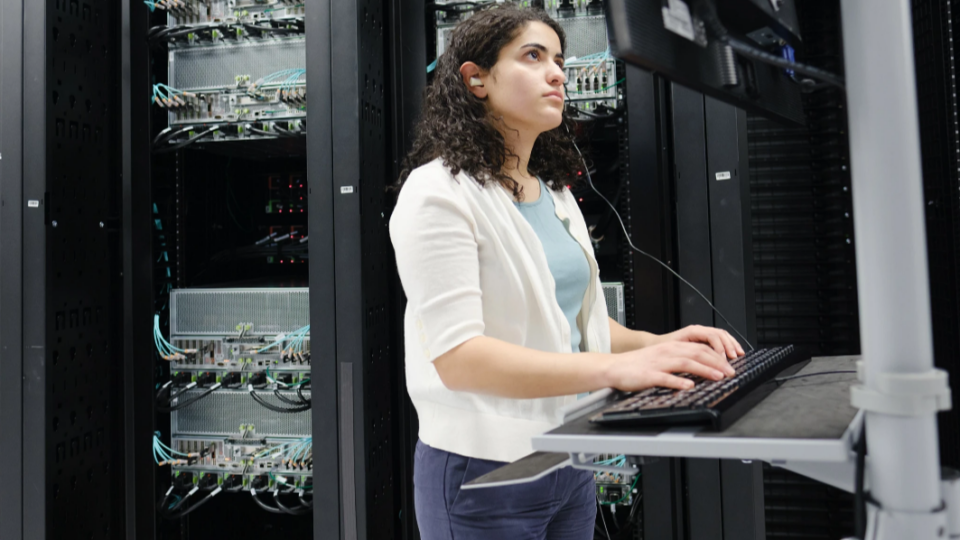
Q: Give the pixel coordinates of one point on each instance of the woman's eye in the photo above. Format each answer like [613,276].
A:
[534,54]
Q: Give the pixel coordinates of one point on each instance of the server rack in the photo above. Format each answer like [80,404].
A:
[11,272]
[41,42]
[61,299]
[935,27]
[355,486]
[704,230]
[406,35]
[805,267]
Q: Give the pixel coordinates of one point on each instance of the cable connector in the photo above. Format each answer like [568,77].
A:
[230,378]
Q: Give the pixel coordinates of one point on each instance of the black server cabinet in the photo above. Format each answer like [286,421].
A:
[804,259]
[707,168]
[329,507]
[935,29]
[367,357]
[61,301]
[698,223]
[347,159]
[11,270]
[407,54]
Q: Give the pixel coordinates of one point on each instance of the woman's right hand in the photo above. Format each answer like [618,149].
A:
[654,366]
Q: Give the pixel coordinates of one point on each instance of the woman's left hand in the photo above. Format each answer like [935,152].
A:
[720,340]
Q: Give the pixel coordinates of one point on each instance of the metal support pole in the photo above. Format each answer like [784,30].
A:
[892,275]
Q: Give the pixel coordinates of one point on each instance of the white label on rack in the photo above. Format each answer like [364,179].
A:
[725,175]
[33,203]
[344,190]
[676,18]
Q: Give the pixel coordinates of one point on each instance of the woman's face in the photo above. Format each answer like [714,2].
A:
[526,85]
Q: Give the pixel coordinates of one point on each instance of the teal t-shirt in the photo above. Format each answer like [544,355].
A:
[565,257]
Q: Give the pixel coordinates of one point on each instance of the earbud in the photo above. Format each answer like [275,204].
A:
[475,81]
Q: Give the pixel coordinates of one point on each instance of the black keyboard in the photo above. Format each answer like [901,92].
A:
[718,404]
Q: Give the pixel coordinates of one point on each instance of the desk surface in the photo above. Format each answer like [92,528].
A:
[807,419]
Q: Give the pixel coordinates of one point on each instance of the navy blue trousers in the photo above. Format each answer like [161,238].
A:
[560,506]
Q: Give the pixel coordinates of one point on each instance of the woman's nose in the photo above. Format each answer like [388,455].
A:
[556,76]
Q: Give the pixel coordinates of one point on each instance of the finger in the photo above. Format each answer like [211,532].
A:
[729,345]
[709,357]
[693,367]
[712,337]
[666,380]
[720,341]
[736,344]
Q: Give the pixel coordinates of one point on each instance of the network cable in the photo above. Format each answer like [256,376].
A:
[295,345]
[289,77]
[459,7]
[303,509]
[263,505]
[168,351]
[168,407]
[289,451]
[170,97]
[706,11]
[188,142]
[173,514]
[276,408]
[164,455]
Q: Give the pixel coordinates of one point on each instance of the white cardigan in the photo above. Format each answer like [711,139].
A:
[471,265]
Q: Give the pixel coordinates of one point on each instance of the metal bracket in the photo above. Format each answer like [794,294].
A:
[903,394]
[581,460]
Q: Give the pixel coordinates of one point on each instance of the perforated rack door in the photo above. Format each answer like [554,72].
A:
[802,212]
[380,361]
[367,363]
[804,260]
[935,28]
[73,378]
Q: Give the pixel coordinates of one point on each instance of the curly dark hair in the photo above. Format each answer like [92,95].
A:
[456,126]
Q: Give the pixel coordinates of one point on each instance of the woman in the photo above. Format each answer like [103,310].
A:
[506,321]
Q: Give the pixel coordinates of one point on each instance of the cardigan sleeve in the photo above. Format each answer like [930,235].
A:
[433,236]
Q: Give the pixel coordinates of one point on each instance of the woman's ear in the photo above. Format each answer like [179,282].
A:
[473,79]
